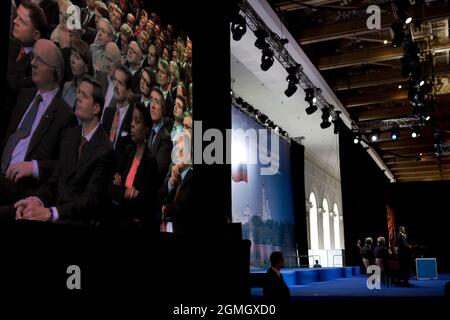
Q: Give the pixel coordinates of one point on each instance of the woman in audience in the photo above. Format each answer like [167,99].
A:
[135,184]
[80,65]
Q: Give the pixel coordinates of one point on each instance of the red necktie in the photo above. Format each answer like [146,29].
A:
[21,54]
[112,133]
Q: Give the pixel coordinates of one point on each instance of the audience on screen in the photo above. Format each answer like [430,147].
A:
[123,74]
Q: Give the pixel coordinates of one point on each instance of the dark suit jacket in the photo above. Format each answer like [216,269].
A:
[168,109]
[403,246]
[146,182]
[18,73]
[88,24]
[275,289]
[45,142]
[51,11]
[124,138]
[78,187]
[162,150]
[179,210]
[89,35]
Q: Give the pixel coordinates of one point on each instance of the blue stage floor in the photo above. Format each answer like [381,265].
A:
[355,287]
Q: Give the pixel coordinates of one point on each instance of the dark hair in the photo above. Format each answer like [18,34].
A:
[161,94]
[276,257]
[128,80]
[140,106]
[97,93]
[183,100]
[84,51]
[151,73]
[37,16]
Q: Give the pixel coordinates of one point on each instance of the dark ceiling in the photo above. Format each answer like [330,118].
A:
[365,71]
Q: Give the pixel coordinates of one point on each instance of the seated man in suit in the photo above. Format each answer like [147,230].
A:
[105,77]
[275,289]
[31,148]
[159,141]
[134,60]
[117,118]
[87,17]
[105,35]
[164,81]
[77,190]
[29,26]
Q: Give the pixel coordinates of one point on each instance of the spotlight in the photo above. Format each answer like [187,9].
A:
[292,75]
[311,109]
[277,129]
[261,36]
[266,59]
[385,42]
[357,138]
[325,119]
[427,117]
[415,132]
[375,135]
[238,27]
[291,89]
[311,99]
[404,16]
[399,86]
[395,133]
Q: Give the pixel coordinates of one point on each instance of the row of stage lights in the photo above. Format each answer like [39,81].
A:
[257,115]
[411,69]
[394,136]
[272,47]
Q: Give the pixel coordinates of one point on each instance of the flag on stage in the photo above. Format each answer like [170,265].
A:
[239,172]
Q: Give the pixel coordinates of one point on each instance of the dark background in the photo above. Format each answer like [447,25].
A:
[421,207]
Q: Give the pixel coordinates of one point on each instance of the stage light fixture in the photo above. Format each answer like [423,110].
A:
[261,36]
[404,16]
[395,133]
[325,118]
[291,89]
[415,132]
[266,59]
[357,138]
[375,135]
[238,27]
[292,75]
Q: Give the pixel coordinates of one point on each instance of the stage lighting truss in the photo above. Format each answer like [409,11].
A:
[258,116]
[297,77]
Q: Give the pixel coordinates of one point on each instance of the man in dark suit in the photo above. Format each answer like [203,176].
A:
[51,11]
[159,142]
[164,81]
[87,15]
[275,289]
[117,118]
[404,256]
[77,190]
[30,150]
[105,78]
[133,63]
[29,26]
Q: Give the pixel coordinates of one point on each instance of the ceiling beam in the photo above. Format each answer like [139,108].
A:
[374,98]
[368,80]
[298,5]
[356,27]
[367,56]
[383,113]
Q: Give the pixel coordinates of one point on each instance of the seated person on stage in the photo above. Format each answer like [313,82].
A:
[133,192]
[40,116]
[77,190]
[275,289]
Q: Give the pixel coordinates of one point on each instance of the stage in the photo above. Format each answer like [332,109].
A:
[347,283]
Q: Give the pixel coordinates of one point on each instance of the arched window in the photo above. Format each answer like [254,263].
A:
[326,225]
[337,227]
[313,226]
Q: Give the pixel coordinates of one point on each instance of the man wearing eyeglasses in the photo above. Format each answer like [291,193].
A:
[40,116]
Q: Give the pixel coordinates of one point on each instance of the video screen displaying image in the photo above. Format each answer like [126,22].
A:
[97,114]
[262,199]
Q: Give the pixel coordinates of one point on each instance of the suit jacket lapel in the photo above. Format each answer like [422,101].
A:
[89,149]
[44,123]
